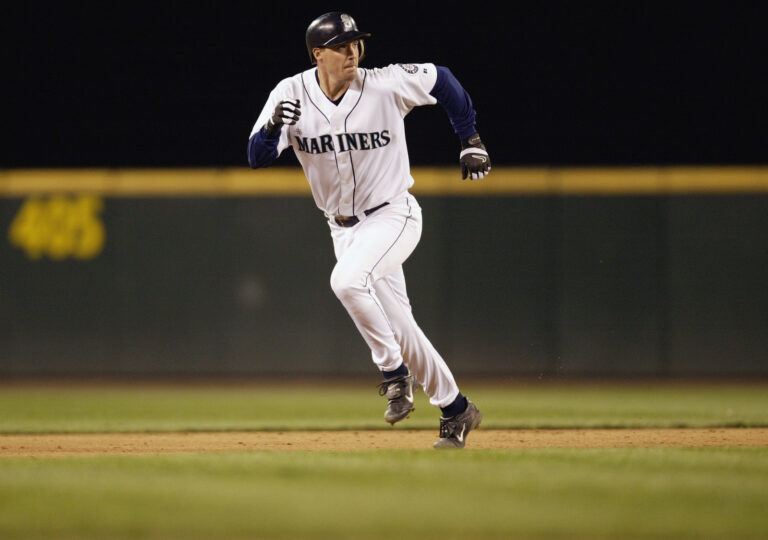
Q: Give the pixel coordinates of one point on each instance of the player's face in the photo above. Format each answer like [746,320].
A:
[340,61]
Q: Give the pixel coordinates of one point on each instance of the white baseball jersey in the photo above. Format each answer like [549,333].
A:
[354,154]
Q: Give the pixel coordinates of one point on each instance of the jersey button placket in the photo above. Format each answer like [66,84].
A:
[345,172]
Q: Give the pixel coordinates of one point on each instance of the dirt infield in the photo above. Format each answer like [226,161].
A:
[51,445]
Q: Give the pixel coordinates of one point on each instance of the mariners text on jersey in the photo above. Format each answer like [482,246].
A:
[353,150]
[344,142]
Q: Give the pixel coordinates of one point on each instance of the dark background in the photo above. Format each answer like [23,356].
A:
[167,84]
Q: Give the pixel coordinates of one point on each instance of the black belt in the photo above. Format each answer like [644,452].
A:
[351,221]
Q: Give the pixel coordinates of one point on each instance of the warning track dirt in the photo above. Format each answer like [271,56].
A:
[93,444]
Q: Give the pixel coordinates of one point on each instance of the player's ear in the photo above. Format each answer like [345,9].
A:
[361,50]
[316,52]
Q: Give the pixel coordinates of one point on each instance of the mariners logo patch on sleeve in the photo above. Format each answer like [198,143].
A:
[409,68]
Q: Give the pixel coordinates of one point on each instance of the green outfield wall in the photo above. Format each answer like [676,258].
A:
[634,271]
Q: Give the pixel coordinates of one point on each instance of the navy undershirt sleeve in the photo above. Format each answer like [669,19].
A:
[262,148]
[456,101]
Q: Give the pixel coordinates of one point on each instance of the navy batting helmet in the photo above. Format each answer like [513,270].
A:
[331,29]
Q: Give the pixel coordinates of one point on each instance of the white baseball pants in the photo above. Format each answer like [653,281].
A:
[368,279]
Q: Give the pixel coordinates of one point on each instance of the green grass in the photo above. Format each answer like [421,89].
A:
[30,409]
[621,493]
[612,493]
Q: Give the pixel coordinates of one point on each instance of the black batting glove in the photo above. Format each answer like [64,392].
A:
[474,158]
[286,112]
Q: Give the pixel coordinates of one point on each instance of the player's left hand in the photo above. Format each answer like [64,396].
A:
[474,158]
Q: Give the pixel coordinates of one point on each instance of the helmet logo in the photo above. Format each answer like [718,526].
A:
[347,21]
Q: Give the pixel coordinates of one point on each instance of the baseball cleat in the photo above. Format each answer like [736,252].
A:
[399,392]
[454,430]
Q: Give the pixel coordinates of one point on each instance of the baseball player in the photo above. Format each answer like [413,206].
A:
[346,127]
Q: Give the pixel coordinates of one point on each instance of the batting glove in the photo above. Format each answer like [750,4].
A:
[286,112]
[474,159]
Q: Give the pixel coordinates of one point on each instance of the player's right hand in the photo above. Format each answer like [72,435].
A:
[286,112]
[474,158]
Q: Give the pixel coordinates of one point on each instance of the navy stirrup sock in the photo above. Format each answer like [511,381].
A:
[402,370]
[458,406]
